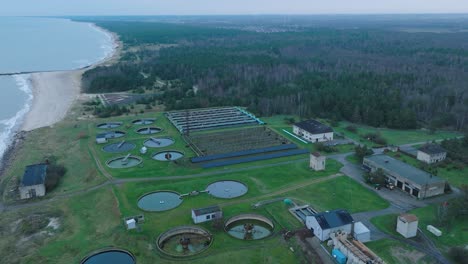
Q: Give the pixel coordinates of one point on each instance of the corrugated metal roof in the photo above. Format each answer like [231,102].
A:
[34,175]
[403,169]
[206,210]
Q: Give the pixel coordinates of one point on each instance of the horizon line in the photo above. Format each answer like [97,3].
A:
[244,14]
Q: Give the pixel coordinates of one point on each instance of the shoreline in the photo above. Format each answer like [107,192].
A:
[54,93]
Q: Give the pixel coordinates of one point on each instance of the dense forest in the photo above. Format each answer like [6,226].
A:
[380,77]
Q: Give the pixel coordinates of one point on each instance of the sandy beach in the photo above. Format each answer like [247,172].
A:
[53,95]
[55,92]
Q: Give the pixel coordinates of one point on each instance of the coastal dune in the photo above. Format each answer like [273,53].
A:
[54,93]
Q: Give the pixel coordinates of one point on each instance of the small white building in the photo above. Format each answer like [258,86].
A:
[407,225]
[33,182]
[325,223]
[130,223]
[206,214]
[317,161]
[431,153]
[361,232]
[101,138]
[313,131]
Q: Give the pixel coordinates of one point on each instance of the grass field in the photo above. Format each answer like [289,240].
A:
[454,234]
[393,136]
[341,192]
[453,175]
[386,223]
[68,142]
[393,252]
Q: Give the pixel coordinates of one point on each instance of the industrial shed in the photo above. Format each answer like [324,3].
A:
[206,214]
[414,181]
[313,131]
[325,223]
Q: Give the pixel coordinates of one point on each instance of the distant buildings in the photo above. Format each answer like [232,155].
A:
[407,225]
[206,214]
[431,153]
[317,161]
[313,131]
[414,181]
[33,182]
[325,223]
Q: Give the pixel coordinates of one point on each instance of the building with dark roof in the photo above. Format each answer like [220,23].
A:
[412,180]
[313,131]
[33,181]
[325,223]
[205,214]
[431,153]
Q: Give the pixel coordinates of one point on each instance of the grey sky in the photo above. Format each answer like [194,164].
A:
[204,7]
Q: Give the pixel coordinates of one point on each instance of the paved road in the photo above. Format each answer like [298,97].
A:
[399,202]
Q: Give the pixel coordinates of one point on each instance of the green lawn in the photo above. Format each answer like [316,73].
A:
[68,142]
[454,234]
[386,223]
[393,136]
[339,193]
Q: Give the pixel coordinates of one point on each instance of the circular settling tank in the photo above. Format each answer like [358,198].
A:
[114,256]
[159,201]
[148,130]
[168,155]
[124,162]
[158,142]
[146,121]
[109,125]
[119,147]
[249,227]
[184,241]
[115,134]
[227,189]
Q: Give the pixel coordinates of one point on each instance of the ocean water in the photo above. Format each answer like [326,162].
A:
[41,44]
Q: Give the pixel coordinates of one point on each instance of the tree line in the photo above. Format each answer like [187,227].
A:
[370,76]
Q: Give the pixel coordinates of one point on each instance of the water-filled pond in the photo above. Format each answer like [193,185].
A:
[146,121]
[168,155]
[109,125]
[119,147]
[158,142]
[148,130]
[159,201]
[124,162]
[113,256]
[227,189]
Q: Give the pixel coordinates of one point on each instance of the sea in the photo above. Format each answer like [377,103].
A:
[32,44]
